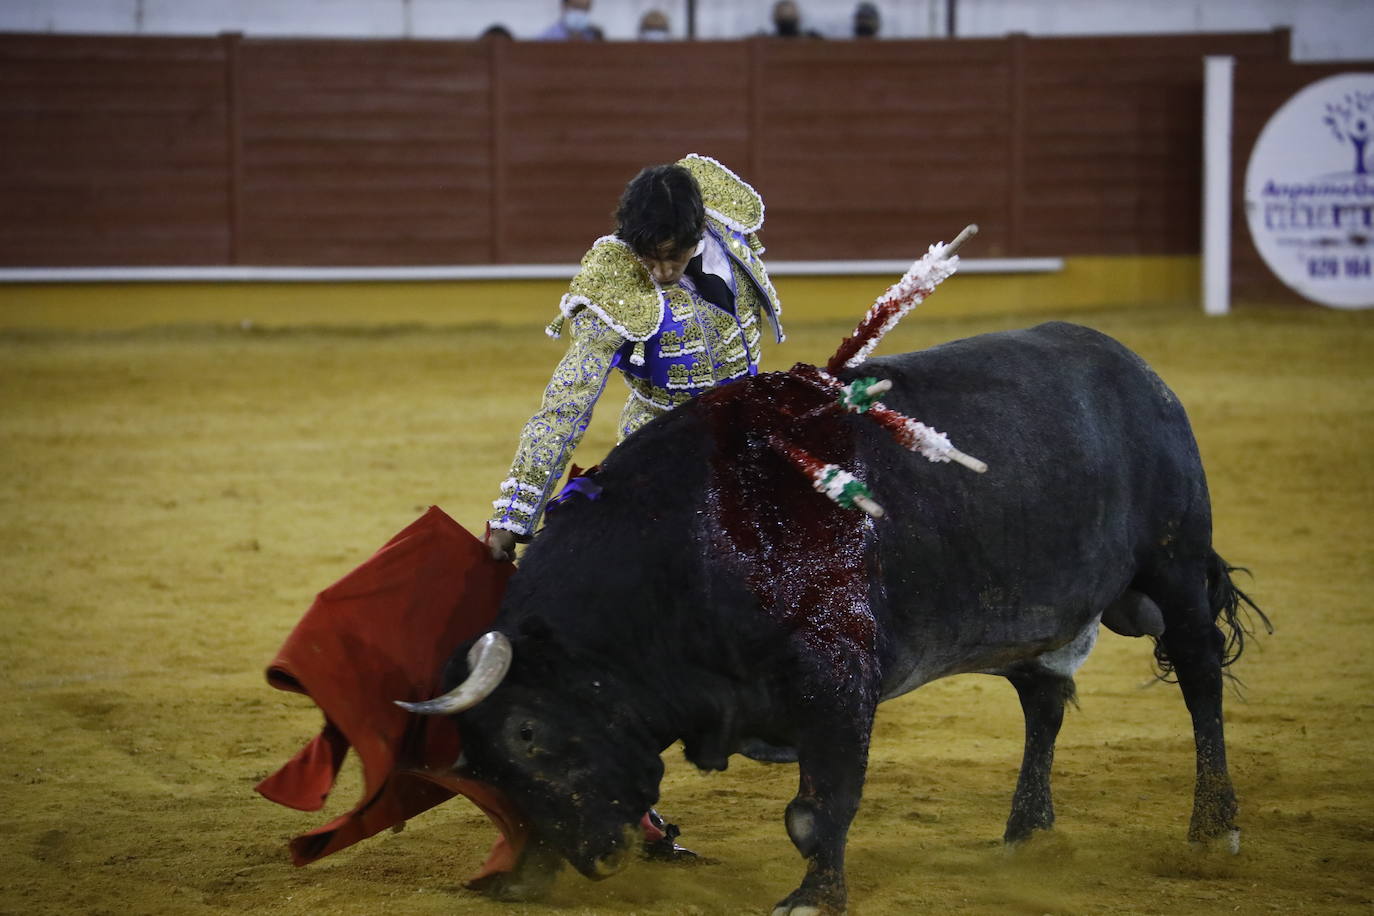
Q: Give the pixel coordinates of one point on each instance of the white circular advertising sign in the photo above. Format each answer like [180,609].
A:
[1309,192]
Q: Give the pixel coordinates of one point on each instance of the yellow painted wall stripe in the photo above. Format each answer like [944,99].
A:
[1084,283]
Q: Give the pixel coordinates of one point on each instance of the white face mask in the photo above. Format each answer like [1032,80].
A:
[654,35]
[576,20]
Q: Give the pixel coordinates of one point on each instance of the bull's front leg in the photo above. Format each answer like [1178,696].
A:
[832,759]
[530,880]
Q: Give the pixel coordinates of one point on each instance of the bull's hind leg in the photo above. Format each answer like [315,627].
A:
[1193,647]
[1043,685]
[1043,695]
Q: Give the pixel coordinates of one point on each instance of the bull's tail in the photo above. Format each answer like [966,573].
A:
[1231,609]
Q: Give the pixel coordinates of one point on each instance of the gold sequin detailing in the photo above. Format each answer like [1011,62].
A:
[728,196]
[613,284]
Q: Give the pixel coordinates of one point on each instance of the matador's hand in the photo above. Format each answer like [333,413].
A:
[501,543]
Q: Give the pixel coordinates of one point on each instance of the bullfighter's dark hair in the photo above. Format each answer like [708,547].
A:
[661,207]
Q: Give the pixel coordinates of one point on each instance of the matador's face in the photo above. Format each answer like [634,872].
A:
[668,262]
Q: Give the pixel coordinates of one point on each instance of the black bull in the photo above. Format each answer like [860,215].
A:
[709,595]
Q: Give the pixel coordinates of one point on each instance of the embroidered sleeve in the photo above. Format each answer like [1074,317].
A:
[548,439]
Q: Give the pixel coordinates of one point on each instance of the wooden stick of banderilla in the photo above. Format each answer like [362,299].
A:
[882,386]
[968,461]
[969,232]
[840,486]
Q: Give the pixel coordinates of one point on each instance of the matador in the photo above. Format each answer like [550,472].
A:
[674,299]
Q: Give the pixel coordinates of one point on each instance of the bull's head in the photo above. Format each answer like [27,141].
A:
[559,740]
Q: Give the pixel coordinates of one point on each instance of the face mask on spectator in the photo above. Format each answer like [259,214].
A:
[576,20]
[654,35]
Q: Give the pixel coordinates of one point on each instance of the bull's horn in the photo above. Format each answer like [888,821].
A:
[488,661]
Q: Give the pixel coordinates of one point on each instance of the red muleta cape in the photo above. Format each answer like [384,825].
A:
[379,634]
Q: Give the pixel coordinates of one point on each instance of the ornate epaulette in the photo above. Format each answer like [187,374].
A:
[617,288]
[727,196]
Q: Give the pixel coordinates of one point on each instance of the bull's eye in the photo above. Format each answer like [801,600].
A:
[526,732]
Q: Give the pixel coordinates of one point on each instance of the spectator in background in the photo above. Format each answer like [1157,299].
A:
[653,26]
[867,20]
[496,31]
[574,23]
[787,21]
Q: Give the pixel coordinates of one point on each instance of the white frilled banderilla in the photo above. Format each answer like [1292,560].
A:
[861,395]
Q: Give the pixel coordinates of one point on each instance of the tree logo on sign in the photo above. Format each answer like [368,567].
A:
[1350,119]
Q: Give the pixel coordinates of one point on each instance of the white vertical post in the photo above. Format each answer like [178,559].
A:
[1218,78]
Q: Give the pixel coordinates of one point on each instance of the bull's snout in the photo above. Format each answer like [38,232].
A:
[610,863]
[601,860]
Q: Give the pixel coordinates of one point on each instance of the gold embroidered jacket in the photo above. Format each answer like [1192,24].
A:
[670,343]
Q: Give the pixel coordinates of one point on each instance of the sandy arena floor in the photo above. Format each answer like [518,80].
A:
[171,500]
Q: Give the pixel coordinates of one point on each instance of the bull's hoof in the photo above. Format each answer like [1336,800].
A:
[1021,830]
[1213,824]
[529,882]
[806,903]
[805,909]
[1227,839]
[508,887]
[1015,844]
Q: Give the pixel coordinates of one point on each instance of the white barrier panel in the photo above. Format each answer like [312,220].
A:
[1218,82]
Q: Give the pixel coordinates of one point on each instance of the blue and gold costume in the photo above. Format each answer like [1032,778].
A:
[670,343]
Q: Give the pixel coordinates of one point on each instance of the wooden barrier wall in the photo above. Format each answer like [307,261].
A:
[233,150]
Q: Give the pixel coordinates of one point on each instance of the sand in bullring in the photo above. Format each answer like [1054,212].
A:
[171,499]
